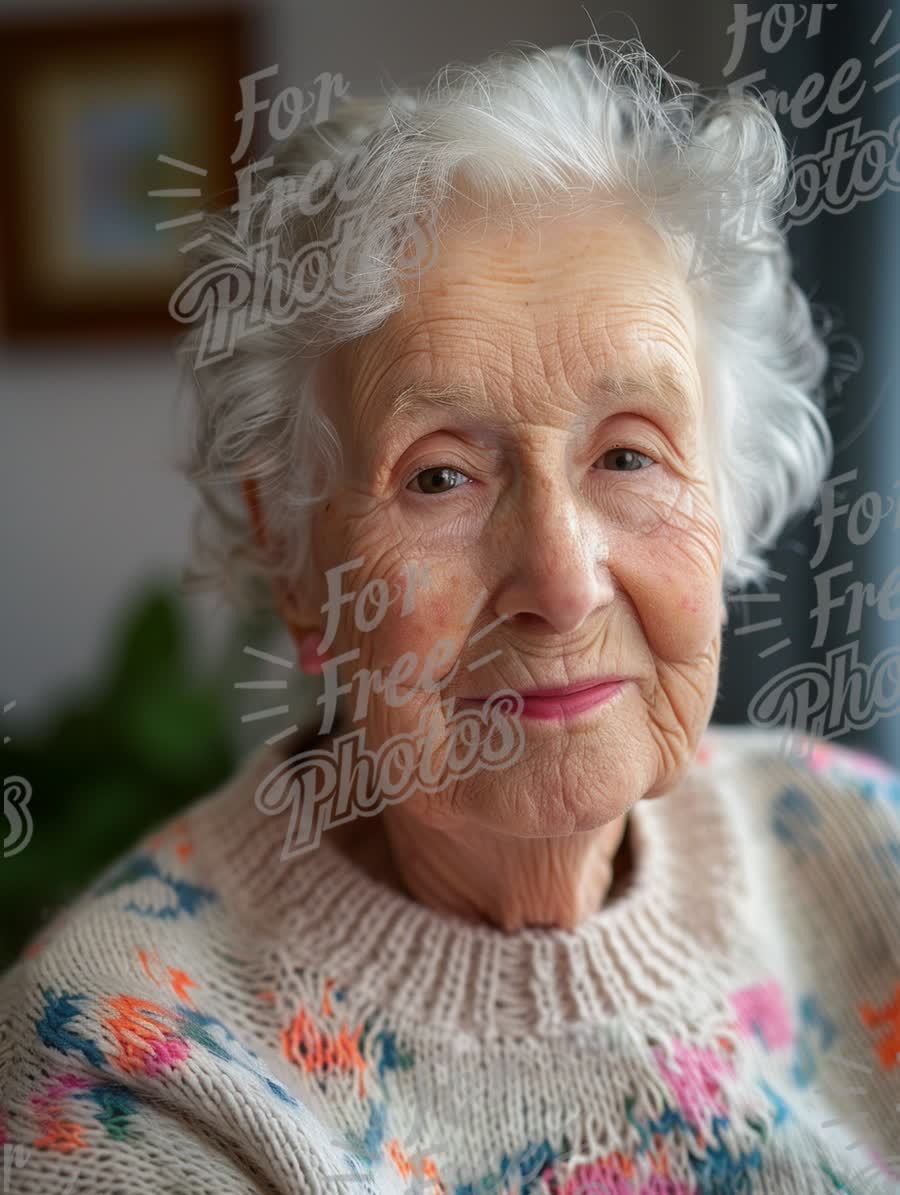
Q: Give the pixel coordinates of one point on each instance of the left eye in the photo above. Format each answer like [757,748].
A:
[625,460]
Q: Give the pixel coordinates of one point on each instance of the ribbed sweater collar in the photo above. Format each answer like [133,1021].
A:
[674,935]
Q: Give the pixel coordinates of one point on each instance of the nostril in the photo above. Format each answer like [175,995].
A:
[529,619]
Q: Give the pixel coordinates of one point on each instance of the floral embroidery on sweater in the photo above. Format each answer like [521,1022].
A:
[116,1105]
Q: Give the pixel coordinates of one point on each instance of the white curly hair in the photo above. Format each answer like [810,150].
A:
[600,120]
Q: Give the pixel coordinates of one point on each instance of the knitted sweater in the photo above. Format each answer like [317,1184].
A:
[208,1017]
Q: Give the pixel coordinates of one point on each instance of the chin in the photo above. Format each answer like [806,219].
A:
[567,795]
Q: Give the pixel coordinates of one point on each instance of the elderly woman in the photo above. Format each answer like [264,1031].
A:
[508,915]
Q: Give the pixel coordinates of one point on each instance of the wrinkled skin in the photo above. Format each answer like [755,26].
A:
[595,568]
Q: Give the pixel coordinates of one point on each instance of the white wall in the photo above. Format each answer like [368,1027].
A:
[93,506]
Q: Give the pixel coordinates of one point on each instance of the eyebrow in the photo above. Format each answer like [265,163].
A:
[458,397]
[661,387]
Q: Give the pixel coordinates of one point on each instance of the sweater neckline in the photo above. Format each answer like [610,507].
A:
[652,951]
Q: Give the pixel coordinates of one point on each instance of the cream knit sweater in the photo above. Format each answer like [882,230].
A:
[210,1018]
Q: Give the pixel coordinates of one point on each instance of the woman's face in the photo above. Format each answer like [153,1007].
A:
[558,495]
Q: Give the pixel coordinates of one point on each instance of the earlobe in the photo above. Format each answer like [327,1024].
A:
[305,637]
[311,662]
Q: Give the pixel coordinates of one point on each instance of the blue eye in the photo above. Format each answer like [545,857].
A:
[438,475]
[626,459]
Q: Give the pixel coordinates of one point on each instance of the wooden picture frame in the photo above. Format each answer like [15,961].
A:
[87,107]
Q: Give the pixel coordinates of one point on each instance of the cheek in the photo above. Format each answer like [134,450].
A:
[418,631]
[429,605]
[676,592]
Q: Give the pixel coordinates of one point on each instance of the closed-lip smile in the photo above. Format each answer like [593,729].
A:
[576,687]
[566,700]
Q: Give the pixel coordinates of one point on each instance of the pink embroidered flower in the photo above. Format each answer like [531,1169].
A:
[819,755]
[763,1009]
[610,1174]
[695,1079]
[615,1175]
[166,1054]
[60,1087]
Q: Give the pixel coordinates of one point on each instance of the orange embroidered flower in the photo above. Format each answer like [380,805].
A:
[146,1040]
[179,981]
[321,1053]
[406,1168]
[175,836]
[888,1048]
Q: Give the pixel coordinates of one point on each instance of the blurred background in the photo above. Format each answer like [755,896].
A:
[120,697]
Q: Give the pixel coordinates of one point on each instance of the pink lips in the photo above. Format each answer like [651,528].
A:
[549,704]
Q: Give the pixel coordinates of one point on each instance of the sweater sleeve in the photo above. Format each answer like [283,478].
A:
[68,1127]
[834,814]
[125,1069]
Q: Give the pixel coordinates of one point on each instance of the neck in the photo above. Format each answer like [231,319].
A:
[489,878]
[506,882]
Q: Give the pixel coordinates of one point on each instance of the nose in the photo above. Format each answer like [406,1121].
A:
[558,551]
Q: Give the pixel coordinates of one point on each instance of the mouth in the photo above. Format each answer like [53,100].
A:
[551,704]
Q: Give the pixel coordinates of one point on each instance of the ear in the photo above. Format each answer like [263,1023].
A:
[724,609]
[250,491]
[300,617]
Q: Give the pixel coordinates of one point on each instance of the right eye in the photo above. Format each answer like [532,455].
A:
[441,476]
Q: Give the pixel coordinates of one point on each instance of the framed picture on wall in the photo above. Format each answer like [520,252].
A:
[118,132]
